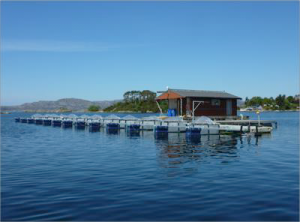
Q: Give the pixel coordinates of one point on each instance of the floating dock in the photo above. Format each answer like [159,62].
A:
[158,124]
[248,122]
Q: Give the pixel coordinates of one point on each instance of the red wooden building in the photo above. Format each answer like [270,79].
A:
[200,102]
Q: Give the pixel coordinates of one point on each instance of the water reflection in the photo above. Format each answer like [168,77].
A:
[188,152]
[161,135]
[94,129]
[134,133]
[112,131]
[193,139]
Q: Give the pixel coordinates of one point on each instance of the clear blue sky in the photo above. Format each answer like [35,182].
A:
[99,50]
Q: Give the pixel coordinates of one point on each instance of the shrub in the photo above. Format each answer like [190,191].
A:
[94,108]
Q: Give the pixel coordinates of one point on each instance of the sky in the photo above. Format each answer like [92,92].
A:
[99,50]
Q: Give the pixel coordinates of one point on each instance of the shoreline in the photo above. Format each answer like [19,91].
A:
[253,111]
[124,112]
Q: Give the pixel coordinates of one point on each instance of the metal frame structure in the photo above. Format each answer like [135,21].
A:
[194,108]
[159,108]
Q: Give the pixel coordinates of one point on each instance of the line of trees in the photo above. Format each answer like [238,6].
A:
[281,102]
[135,95]
[138,101]
[94,108]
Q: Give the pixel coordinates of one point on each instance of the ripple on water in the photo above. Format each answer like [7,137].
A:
[51,173]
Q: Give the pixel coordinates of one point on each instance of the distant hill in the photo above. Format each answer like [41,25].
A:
[68,103]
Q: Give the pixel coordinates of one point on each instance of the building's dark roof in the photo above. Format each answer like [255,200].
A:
[204,94]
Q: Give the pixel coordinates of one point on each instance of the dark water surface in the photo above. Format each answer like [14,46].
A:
[50,173]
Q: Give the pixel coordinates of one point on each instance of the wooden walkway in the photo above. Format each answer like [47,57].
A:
[248,122]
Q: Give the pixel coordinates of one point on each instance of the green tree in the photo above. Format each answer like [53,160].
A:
[255,101]
[280,101]
[266,101]
[138,101]
[290,99]
[246,101]
[94,108]
[148,95]
[287,104]
[126,96]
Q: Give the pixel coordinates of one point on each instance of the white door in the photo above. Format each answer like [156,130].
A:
[228,107]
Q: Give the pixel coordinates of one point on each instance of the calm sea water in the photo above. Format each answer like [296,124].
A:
[50,173]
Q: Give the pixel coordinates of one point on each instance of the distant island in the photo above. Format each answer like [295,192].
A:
[61,105]
[144,102]
[133,101]
[280,103]
[5,112]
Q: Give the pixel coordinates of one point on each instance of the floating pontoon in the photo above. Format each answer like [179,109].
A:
[159,124]
[207,126]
